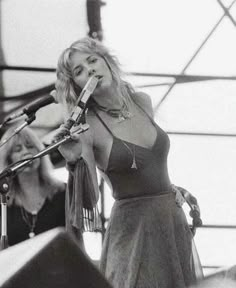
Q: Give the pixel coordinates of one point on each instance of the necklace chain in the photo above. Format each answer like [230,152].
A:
[134,164]
[30,219]
[122,114]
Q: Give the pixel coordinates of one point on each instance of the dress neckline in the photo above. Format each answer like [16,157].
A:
[128,143]
[137,145]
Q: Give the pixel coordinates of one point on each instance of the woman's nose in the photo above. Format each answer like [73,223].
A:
[24,150]
[91,72]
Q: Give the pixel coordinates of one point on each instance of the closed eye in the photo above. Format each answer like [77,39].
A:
[93,60]
[29,146]
[17,148]
[77,72]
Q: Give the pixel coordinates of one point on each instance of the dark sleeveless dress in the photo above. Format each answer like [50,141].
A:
[148,243]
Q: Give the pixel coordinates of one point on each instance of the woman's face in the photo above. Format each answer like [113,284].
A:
[84,65]
[24,149]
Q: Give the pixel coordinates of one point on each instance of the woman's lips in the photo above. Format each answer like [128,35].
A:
[26,156]
[99,76]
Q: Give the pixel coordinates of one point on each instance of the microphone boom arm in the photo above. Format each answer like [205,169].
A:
[27,122]
[10,171]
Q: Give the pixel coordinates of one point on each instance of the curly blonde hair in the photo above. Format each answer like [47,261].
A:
[67,91]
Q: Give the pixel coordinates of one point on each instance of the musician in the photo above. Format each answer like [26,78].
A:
[148,242]
[36,199]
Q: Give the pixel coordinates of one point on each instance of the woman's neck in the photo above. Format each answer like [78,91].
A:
[31,198]
[27,180]
[110,98]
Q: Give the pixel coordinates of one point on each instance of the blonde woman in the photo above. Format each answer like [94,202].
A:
[36,199]
[148,242]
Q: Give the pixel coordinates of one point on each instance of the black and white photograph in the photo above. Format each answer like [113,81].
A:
[117,143]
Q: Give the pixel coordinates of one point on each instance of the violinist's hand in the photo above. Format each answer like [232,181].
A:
[71,150]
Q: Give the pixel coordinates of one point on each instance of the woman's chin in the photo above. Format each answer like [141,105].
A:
[31,167]
[102,88]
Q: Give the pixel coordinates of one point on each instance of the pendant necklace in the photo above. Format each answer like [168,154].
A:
[122,114]
[132,152]
[134,164]
[30,219]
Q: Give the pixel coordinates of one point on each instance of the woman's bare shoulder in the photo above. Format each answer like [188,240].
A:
[144,100]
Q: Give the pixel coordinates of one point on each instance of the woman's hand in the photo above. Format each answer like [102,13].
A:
[71,150]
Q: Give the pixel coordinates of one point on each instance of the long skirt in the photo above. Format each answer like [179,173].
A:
[148,244]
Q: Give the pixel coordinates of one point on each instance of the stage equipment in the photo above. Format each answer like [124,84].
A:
[52,259]
[223,278]
[75,119]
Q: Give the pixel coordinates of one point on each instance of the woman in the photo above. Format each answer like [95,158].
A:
[36,199]
[148,242]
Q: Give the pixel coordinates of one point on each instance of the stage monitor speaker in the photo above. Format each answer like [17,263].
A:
[52,259]
[222,278]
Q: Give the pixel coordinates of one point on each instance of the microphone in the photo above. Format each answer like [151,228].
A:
[34,106]
[81,102]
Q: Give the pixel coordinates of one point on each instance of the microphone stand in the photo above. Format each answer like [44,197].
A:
[75,118]
[12,169]
[28,121]
[4,185]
